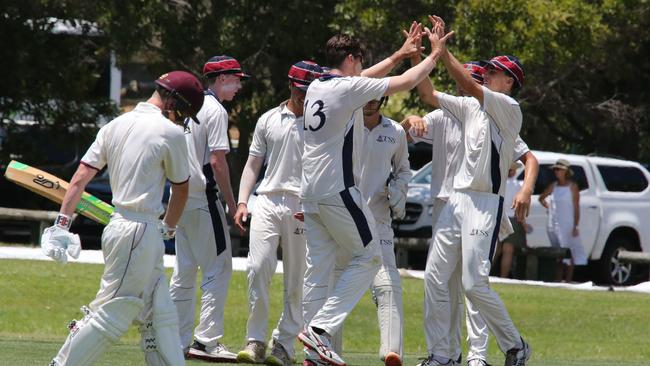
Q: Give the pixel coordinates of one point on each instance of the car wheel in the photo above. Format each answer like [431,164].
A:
[612,271]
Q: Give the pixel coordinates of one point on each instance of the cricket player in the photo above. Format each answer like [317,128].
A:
[443,132]
[337,217]
[278,143]
[202,240]
[385,174]
[141,148]
[466,232]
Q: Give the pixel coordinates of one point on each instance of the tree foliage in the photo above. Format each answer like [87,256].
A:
[586,66]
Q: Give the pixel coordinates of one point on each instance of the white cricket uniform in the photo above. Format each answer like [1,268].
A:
[141,149]
[472,217]
[445,135]
[386,157]
[202,238]
[278,139]
[338,221]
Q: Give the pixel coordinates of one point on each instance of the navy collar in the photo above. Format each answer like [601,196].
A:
[326,77]
[211,93]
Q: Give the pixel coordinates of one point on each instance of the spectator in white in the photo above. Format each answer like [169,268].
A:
[564,218]
[518,238]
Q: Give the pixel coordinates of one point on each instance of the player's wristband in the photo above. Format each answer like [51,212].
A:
[63,221]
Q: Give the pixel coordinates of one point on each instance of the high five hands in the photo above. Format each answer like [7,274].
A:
[436,35]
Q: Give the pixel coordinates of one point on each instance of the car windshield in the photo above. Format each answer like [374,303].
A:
[423,176]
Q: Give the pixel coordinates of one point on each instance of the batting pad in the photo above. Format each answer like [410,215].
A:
[95,333]
[161,340]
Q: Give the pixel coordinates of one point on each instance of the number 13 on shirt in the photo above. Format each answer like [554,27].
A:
[317,108]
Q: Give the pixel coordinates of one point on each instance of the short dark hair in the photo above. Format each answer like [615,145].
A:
[514,89]
[339,47]
[208,80]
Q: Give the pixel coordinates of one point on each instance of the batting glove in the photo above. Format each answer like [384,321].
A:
[397,198]
[57,242]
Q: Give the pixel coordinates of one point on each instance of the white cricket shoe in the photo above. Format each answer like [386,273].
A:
[519,356]
[321,344]
[477,362]
[312,358]
[218,353]
[432,361]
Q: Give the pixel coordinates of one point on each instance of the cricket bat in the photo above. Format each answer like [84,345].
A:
[54,189]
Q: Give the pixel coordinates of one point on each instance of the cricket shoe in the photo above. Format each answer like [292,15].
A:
[477,362]
[519,356]
[278,356]
[312,358]
[321,345]
[392,359]
[254,352]
[218,353]
[433,361]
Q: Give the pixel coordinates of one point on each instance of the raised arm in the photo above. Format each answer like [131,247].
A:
[412,45]
[413,76]
[425,87]
[247,183]
[455,68]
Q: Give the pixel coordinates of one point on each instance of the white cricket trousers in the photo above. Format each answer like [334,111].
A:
[273,224]
[133,249]
[466,235]
[339,226]
[133,258]
[202,241]
[386,291]
[477,332]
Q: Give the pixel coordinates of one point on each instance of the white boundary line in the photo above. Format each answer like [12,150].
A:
[239,264]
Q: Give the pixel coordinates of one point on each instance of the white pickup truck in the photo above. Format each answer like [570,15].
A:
[614,211]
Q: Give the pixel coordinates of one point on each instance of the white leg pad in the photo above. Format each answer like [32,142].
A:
[390,314]
[90,337]
[161,340]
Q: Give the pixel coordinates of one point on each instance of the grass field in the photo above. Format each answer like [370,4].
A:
[37,299]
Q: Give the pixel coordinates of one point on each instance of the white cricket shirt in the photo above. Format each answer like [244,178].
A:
[385,151]
[489,134]
[141,149]
[278,139]
[445,135]
[333,127]
[211,134]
